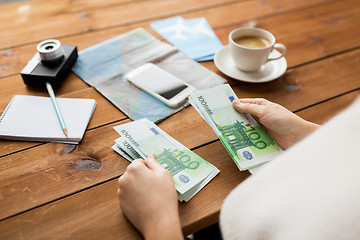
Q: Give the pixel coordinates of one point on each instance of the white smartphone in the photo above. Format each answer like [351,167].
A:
[160,84]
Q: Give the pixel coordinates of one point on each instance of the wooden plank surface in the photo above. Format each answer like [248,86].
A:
[312,33]
[90,204]
[218,17]
[309,84]
[94,19]
[79,199]
[297,90]
[323,112]
[306,90]
[89,207]
[67,172]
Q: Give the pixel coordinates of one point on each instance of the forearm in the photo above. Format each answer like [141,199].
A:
[292,131]
[165,229]
[305,129]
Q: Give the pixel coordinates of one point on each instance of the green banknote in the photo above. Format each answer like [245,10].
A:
[246,141]
[190,172]
[127,148]
[120,151]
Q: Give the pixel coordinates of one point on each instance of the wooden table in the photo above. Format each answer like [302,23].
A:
[57,191]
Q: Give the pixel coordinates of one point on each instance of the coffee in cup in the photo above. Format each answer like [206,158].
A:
[250,48]
[252,41]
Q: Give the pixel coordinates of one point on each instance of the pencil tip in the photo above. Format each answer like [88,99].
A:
[65,131]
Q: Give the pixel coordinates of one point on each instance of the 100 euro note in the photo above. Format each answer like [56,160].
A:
[125,149]
[245,140]
[190,172]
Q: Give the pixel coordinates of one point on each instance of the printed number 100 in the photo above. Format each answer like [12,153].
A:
[254,136]
[186,160]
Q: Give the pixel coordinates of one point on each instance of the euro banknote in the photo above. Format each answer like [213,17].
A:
[122,143]
[142,137]
[120,151]
[246,141]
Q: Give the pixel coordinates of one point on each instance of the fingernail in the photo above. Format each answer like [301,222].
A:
[237,102]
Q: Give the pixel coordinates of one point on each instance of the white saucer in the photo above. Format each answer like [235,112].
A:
[270,71]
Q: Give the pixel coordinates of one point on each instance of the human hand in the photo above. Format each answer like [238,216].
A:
[148,198]
[285,127]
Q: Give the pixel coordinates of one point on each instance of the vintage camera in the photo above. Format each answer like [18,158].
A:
[52,63]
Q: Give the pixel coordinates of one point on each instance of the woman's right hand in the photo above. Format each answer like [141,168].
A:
[285,127]
[149,200]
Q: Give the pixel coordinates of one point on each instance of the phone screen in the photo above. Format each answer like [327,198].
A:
[159,82]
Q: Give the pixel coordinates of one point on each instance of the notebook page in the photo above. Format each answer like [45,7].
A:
[34,118]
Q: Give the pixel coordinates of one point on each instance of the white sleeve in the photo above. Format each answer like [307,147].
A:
[311,191]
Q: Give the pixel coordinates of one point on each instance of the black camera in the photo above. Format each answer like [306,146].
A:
[52,63]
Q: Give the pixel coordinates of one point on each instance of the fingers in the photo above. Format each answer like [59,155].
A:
[258,101]
[251,106]
[140,166]
[153,163]
[135,165]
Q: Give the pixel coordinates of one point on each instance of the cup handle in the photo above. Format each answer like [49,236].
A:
[282,49]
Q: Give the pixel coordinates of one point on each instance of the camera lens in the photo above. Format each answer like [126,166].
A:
[50,50]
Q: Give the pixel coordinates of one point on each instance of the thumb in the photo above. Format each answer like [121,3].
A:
[254,109]
[152,162]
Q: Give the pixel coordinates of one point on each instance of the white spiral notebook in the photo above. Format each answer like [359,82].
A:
[32,118]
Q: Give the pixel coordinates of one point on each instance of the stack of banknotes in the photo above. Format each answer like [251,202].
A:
[246,141]
[142,138]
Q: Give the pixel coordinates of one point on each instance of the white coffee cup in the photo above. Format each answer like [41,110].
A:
[250,48]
